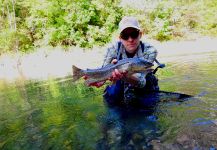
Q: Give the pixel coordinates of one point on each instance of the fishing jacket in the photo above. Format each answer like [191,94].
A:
[145,51]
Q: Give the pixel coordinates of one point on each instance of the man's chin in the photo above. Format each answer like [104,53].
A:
[131,50]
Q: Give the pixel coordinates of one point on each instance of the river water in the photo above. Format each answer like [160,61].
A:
[59,114]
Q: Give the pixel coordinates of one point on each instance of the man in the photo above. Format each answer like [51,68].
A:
[129,46]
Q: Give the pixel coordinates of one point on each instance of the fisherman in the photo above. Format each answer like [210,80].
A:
[129,46]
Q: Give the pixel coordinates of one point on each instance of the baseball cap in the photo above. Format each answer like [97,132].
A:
[127,22]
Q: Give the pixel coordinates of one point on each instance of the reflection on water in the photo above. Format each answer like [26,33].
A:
[48,115]
[57,114]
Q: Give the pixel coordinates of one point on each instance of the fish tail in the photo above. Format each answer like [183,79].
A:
[77,73]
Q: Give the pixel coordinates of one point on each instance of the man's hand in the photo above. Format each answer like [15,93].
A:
[114,61]
[116,74]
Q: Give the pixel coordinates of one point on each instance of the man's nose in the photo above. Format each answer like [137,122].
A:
[130,38]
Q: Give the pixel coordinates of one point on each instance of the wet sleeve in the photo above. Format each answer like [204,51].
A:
[142,80]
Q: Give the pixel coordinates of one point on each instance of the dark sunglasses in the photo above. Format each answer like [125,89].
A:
[134,34]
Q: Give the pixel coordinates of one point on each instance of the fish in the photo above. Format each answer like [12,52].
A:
[130,65]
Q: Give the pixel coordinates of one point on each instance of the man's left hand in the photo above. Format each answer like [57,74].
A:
[117,75]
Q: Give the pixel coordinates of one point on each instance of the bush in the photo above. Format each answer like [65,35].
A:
[81,22]
[165,20]
[10,41]
[87,23]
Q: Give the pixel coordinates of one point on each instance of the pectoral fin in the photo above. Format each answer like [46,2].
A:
[91,81]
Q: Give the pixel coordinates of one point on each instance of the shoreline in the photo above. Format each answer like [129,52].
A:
[55,62]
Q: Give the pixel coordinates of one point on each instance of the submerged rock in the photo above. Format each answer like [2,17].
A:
[194,137]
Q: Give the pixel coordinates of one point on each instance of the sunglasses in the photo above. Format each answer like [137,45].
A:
[133,34]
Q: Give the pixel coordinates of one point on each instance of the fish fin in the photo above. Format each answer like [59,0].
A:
[90,81]
[77,73]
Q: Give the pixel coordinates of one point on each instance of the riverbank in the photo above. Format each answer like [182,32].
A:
[55,62]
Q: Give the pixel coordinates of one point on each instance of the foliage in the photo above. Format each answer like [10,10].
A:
[9,40]
[31,23]
[13,32]
[165,20]
[66,22]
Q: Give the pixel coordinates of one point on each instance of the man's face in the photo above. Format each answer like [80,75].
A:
[130,38]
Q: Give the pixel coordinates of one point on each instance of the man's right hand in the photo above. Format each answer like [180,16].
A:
[117,75]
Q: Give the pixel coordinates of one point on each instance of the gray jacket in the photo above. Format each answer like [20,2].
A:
[149,54]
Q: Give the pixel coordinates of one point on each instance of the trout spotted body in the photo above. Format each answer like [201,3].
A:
[129,65]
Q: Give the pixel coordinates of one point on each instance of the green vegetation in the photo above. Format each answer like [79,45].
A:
[166,20]
[31,23]
[27,24]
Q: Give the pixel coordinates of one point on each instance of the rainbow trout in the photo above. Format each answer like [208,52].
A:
[131,65]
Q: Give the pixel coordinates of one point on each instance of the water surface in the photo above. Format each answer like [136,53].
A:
[56,114]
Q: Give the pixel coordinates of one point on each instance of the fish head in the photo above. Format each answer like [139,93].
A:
[140,65]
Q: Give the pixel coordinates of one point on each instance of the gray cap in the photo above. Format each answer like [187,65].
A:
[127,22]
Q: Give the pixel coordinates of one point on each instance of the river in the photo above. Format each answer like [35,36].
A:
[59,114]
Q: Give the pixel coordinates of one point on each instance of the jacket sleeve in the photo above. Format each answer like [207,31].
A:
[150,52]
[110,54]
[141,80]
